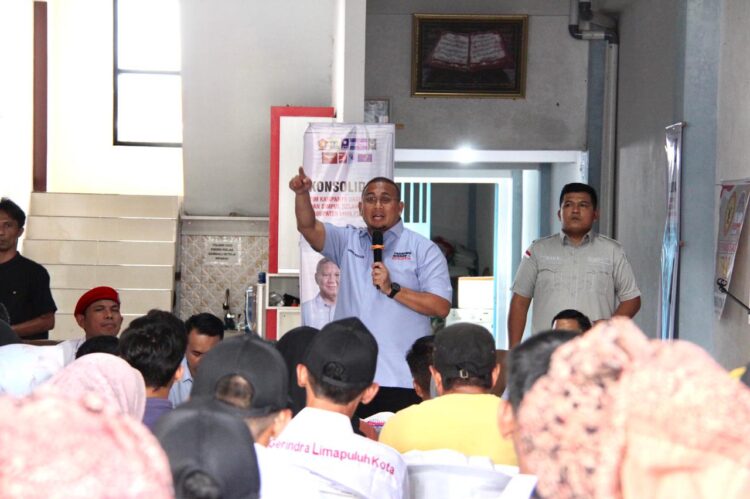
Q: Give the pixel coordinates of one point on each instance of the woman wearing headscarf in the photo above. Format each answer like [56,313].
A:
[52,446]
[620,416]
[114,380]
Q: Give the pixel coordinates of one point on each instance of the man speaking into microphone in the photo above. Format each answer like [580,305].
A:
[394,282]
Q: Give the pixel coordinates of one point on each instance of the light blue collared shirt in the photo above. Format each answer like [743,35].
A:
[180,391]
[414,262]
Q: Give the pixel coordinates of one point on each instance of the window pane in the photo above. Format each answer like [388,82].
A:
[148,35]
[149,108]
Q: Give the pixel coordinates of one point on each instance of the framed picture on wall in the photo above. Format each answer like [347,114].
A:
[469,55]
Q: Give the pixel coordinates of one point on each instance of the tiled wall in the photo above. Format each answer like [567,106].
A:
[202,286]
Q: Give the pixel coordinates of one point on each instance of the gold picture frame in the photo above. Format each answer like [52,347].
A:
[469,55]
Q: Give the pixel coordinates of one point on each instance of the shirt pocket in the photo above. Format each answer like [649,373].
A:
[551,275]
[599,277]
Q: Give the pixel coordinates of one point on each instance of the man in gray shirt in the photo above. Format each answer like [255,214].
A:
[576,268]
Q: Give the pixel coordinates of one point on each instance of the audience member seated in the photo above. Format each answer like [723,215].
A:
[292,346]
[419,358]
[56,447]
[527,362]
[97,312]
[337,374]
[247,377]
[155,344]
[464,415]
[119,385]
[99,344]
[204,331]
[571,320]
[447,473]
[24,367]
[211,453]
[619,415]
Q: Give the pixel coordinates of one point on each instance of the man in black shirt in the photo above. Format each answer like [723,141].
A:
[24,284]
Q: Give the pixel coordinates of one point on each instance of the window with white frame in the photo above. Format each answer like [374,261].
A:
[147,81]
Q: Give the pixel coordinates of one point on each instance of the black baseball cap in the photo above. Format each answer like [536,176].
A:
[344,347]
[254,360]
[197,437]
[464,350]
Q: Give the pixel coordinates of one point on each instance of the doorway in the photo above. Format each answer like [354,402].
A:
[487,206]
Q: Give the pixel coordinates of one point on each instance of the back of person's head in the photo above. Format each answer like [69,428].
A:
[55,446]
[579,187]
[244,371]
[99,344]
[465,356]
[292,347]
[154,344]
[565,318]
[155,315]
[341,360]
[206,324]
[618,412]
[210,452]
[13,211]
[419,358]
[118,384]
[529,361]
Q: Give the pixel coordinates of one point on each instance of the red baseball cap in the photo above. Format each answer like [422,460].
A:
[95,294]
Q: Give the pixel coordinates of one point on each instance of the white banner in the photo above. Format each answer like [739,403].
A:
[340,159]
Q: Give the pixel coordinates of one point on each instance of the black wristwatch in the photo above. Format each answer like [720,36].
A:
[395,288]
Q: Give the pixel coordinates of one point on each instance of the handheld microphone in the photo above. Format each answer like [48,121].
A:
[377,246]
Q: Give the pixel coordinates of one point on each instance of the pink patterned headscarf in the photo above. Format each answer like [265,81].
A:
[110,377]
[53,446]
[622,416]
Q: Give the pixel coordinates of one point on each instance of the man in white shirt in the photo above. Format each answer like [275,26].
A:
[337,375]
[319,311]
[247,377]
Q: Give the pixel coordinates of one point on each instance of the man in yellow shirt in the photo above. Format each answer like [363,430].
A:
[464,415]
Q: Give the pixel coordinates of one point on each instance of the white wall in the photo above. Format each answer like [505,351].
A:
[552,116]
[649,59]
[16,100]
[81,157]
[732,162]
[240,58]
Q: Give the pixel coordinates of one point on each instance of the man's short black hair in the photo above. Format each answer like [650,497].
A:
[583,322]
[14,211]
[154,345]
[99,344]
[385,180]
[419,358]
[579,187]
[206,324]
[337,394]
[530,360]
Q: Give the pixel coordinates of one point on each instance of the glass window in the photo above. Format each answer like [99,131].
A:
[148,86]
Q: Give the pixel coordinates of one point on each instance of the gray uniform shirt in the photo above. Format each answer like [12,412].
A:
[593,277]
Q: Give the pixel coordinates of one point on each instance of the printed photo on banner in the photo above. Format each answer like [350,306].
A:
[340,159]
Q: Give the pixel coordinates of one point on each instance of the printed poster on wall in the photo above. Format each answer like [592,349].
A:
[732,209]
[339,158]
[670,248]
